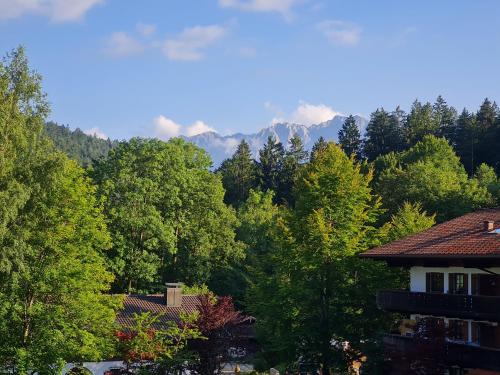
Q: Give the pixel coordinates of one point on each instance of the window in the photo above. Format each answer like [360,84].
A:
[458,330]
[455,371]
[458,283]
[434,282]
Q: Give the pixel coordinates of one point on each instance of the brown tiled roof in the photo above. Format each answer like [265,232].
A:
[154,303]
[463,237]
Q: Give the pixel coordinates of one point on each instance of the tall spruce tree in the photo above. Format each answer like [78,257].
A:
[295,157]
[420,122]
[446,117]
[350,137]
[465,140]
[271,164]
[487,133]
[318,146]
[383,134]
[239,175]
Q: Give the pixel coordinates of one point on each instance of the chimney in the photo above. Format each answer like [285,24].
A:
[173,295]
[489,225]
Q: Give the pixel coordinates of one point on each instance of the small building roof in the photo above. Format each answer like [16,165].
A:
[463,238]
[156,304]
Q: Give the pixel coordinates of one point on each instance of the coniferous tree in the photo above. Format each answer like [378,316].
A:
[445,117]
[487,133]
[350,137]
[420,122]
[239,175]
[271,164]
[318,146]
[294,158]
[465,140]
[383,134]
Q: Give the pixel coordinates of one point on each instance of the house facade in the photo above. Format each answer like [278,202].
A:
[455,283]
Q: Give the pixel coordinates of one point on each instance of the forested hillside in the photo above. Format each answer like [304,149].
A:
[77,145]
[280,234]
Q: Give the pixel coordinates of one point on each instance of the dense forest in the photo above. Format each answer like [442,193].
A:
[83,148]
[280,234]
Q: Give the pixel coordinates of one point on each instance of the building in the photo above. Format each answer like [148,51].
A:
[454,279]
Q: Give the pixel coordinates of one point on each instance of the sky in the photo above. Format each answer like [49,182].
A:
[123,68]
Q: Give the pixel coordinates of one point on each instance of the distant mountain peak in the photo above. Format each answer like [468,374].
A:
[221,147]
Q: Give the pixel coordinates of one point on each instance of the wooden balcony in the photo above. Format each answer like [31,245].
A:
[465,356]
[438,304]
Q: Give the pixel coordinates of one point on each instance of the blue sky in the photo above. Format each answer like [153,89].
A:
[162,68]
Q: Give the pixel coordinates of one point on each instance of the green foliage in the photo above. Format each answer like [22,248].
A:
[271,165]
[294,159]
[309,285]
[409,219]
[166,214]
[429,173]
[383,133]
[83,148]
[154,347]
[239,175]
[350,137]
[487,178]
[52,235]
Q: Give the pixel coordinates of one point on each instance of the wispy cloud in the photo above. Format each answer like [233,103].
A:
[55,10]
[166,128]
[120,44]
[305,113]
[191,42]
[145,29]
[283,7]
[340,32]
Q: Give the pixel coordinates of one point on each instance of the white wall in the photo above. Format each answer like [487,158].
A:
[417,275]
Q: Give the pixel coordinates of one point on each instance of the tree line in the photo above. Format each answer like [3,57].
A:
[280,234]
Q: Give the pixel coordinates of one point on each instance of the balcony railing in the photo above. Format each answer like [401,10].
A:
[465,356]
[437,304]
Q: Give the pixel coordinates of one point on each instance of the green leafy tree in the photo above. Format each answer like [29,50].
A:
[155,347]
[239,175]
[166,214]
[53,279]
[430,173]
[350,137]
[488,179]
[311,291]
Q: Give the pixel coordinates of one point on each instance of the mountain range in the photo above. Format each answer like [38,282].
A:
[221,147]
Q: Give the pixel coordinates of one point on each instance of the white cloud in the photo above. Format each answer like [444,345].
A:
[145,29]
[340,32]
[166,128]
[305,114]
[280,6]
[190,43]
[96,132]
[55,10]
[197,128]
[120,44]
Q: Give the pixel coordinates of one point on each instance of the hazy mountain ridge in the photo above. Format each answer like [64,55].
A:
[221,147]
